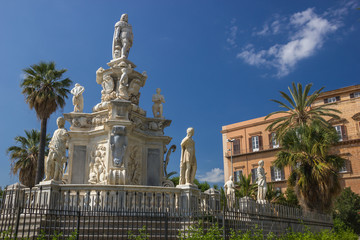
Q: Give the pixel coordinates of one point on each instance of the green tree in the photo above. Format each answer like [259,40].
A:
[246,189]
[175,180]
[45,91]
[203,186]
[347,209]
[24,155]
[314,174]
[299,110]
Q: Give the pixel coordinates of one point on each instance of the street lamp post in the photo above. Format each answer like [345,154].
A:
[231,141]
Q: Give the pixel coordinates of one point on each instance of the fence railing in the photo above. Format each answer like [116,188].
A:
[24,214]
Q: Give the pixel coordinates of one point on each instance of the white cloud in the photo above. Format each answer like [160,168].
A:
[214,176]
[308,34]
[231,39]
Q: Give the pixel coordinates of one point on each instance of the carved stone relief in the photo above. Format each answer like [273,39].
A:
[81,122]
[98,173]
[134,165]
[118,143]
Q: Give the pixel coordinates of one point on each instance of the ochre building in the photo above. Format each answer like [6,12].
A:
[252,143]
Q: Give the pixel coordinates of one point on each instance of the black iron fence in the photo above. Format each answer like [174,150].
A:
[21,218]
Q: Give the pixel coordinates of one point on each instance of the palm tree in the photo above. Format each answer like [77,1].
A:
[44,91]
[314,174]
[299,110]
[24,156]
[246,189]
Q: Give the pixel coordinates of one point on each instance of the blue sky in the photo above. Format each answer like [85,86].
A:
[217,62]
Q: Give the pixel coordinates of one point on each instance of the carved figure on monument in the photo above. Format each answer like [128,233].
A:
[78,99]
[134,88]
[107,83]
[261,181]
[157,108]
[230,192]
[98,174]
[133,168]
[123,82]
[56,159]
[123,38]
[188,160]
[118,143]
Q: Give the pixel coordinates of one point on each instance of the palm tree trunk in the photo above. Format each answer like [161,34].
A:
[40,161]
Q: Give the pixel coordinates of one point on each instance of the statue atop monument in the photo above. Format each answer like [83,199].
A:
[57,152]
[158,100]
[123,38]
[188,160]
[78,99]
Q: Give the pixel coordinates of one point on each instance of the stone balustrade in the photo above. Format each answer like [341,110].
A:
[112,197]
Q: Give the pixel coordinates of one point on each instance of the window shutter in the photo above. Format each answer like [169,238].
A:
[325,100]
[337,98]
[253,175]
[250,145]
[235,177]
[272,173]
[351,95]
[270,140]
[343,132]
[260,143]
[282,174]
[236,146]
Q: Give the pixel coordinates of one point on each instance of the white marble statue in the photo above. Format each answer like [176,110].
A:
[56,159]
[158,100]
[188,160]
[261,181]
[123,82]
[78,99]
[230,192]
[123,38]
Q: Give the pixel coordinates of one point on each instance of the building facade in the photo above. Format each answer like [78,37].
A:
[246,143]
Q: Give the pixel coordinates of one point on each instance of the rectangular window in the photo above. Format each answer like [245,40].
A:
[332,99]
[274,142]
[355,95]
[237,175]
[277,174]
[339,132]
[254,175]
[236,146]
[255,143]
[343,169]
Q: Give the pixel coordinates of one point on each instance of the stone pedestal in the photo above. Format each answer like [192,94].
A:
[189,197]
[214,199]
[49,194]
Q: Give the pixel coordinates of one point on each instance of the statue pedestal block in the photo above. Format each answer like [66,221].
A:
[49,194]
[189,198]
